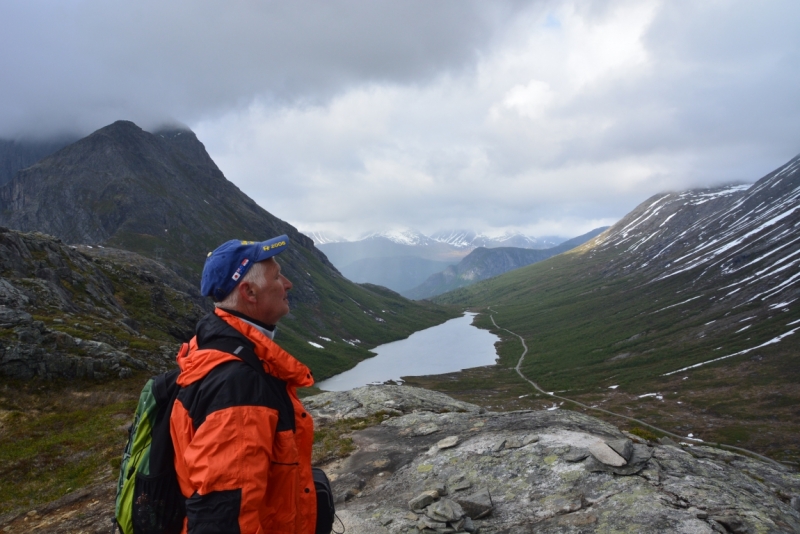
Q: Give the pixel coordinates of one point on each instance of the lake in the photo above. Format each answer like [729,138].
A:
[449,347]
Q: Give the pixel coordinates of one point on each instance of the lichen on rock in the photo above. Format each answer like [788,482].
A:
[550,484]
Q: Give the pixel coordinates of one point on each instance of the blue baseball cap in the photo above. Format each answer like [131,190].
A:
[226,266]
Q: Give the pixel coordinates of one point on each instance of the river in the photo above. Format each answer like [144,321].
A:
[449,347]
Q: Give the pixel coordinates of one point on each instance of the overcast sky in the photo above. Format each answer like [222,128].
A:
[547,117]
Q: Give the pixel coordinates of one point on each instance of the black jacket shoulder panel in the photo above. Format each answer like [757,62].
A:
[235,383]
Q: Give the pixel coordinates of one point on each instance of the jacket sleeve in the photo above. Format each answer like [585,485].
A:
[227,460]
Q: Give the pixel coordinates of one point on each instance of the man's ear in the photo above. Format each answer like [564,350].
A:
[246,292]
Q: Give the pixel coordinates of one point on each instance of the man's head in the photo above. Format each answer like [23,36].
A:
[244,276]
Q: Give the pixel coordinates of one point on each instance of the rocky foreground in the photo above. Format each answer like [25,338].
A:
[437,465]
[445,466]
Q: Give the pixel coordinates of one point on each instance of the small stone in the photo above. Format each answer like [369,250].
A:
[667,441]
[530,438]
[426,522]
[448,442]
[444,511]
[422,500]
[458,526]
[606,455]
[702,515]
[461,485]
[795,502]
[476,505]
[411,516]
[386,520]
[425,430]
[623,447]
[469,526]
[513,443]
[576,455]
[497,447]
[438,487]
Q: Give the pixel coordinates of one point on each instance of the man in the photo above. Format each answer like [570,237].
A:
[242,438]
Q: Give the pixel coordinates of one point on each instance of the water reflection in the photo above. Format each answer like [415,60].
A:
[446,348]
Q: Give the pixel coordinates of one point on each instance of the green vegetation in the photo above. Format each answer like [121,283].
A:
[644,433]
[59,437]
[587,330]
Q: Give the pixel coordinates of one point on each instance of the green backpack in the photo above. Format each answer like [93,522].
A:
[149,500]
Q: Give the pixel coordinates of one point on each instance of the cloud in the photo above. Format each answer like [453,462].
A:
[78,65]
[550,117]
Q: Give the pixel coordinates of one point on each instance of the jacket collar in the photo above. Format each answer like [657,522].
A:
[277,362]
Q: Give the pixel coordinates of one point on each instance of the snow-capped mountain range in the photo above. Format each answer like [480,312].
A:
[459,239]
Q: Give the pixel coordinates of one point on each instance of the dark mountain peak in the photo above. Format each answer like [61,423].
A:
[160,195]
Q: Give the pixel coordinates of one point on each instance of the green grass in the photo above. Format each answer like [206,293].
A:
[59,438]
[584,331]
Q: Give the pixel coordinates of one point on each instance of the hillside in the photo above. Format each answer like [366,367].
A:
[161,196]
[483,263]
[684,313]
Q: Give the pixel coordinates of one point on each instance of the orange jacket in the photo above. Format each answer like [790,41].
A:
[242,439]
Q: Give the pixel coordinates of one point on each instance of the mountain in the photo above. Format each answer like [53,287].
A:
[404,259]
[446,245]
[160,195]
[399,273]
[483,263]
[382,246]
[322,238]
[469,239]
[687,308]
[16,155]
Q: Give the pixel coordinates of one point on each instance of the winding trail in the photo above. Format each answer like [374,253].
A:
[518,369]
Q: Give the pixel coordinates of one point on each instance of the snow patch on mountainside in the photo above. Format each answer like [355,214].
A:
[740,245]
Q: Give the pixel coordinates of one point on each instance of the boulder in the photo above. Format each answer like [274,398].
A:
[478,504]
[445,510]
[606,455]
[623,447]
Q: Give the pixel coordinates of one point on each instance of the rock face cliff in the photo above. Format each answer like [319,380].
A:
[442,466]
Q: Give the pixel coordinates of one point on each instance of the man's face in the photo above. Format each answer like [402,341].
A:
[272,300]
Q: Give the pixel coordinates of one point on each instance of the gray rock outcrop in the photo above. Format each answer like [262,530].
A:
[62,314]
[389,399]
[399,481]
